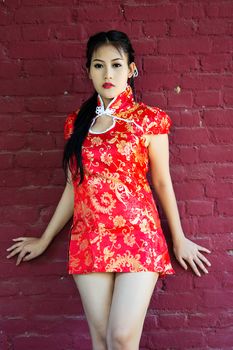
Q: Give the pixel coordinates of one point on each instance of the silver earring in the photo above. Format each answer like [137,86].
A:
[135,72]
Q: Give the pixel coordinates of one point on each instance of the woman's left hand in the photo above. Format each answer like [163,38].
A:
[186,250]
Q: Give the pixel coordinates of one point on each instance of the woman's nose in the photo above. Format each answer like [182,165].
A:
[108,73]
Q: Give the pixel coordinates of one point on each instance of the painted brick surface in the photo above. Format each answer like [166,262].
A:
[184,56]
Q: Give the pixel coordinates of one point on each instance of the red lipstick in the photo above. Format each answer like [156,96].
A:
[107,85]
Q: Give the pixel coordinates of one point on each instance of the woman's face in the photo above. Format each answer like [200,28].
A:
[108,65]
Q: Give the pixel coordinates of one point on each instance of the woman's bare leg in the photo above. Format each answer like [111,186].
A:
[96,291]
[131,298]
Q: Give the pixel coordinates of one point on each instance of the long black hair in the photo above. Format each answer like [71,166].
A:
[73,148]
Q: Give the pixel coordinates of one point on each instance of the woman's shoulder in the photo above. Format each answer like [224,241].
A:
[69,124]
[153,119]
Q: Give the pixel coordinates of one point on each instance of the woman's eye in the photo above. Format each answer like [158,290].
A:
[98,65]
[117,65]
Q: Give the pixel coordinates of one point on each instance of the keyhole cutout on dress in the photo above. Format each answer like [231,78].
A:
[102,124]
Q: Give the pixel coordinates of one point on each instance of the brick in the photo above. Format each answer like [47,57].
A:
[42,15]
[202,81]
[183,99]
[199,320]
[71,32]
[95,13]
[33,159]
[47,2]
[221,299]
[216,153]
[218,117]
[194,136]
[40,104]
[186,339]
[31,177]
[212,225]
[11,105]
[37,32]
[12,142]
[156,64]
[66,104]
[159,81]
[207,98]
[220,45]
[9,70]
[172,321]
[73,50]
[38,342]
[212,10]
[66,67]
[189,191]
[219,190]
[200,208]
[39,86]
[153,12]
[184,45]
[34,50]
[226,10]
[223,171]
[3,341]
[221,135]
[179,64]
[155,29]
[199,172]
[213,26]
[145,47]
[19,215]
[155,99]
[6,160]
[228,97]
[5,123]
[37,67]
[192,10]
[225,206]
[189,155]
[10,33]
[216,62]
[6,17]
[190,118]
[182,28]
[220,245]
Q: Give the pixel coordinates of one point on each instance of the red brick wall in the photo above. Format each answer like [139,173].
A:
[184,56]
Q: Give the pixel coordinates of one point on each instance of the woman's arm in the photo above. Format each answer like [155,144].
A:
[184,249]
[28,248]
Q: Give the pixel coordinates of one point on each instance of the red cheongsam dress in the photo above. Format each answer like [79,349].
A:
[116,227]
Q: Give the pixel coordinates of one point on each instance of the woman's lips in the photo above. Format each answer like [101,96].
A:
[107,85]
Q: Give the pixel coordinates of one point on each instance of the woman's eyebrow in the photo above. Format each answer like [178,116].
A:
[97,59]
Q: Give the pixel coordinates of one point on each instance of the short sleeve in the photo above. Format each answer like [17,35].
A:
[156,122]
[69,125]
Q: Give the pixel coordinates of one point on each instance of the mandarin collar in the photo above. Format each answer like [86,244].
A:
[122,102]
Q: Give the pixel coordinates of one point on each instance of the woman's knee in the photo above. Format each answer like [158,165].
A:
[99,338]
[121,338]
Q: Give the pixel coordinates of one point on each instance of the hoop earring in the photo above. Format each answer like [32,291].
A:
[135,72]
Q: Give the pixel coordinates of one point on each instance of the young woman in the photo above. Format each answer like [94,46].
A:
[117,249]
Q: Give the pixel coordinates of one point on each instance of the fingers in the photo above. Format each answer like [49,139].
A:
[203,249]
[203,258]
[182,263]
[194,267]
[17,248]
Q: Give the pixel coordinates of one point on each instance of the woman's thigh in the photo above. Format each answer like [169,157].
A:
[131,298]
[96,291]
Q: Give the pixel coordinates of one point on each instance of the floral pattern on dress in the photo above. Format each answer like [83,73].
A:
[116,227]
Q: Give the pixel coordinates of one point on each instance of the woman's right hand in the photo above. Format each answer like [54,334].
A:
[27,247]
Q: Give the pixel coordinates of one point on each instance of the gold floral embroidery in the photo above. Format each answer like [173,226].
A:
[119,221]
[116,225]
